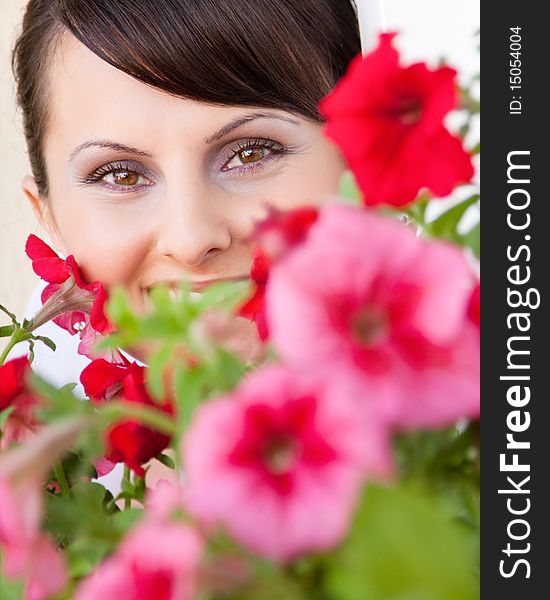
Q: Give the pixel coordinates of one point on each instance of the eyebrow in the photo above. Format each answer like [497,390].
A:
[241,120]
[108,144]
[223,131]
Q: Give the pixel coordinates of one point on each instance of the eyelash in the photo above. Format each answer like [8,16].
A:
[276,149]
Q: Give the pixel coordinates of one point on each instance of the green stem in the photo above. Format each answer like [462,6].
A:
[127,477]
[15,339]
[117,411]
[61,479]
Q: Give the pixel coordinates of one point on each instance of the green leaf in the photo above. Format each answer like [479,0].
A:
[45,340]
[228,371]
[445,226]
[85,554]
[12,317]
[417,210]
[4,415]
[61,402]
[160,298]
[189,386]
[139,488]
[7,330]
[9,589]
[166,461]
[81,515]
[124,520]
[403,546]
[472,240]
[119,311]
[227,295]
[156,370]
[349,190]
[127,487]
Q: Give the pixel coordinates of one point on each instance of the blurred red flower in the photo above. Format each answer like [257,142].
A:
[388,122]
[474,308]
[275,235]
[129,441]
[254,307]
[15,394]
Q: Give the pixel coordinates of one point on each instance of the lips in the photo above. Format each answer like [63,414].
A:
[196,287]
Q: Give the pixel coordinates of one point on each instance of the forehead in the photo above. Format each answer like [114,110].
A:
[89,98]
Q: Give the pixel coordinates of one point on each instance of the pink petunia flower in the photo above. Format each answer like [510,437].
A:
[388,121]
[366,299]
[28,553]
[290,452]
[157,561]
[76,306]
[164,500]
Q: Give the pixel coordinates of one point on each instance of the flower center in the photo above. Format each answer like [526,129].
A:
[410,111]
[369,326]
[280,454]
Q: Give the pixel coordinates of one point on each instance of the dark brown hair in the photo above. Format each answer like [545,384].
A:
[284,54]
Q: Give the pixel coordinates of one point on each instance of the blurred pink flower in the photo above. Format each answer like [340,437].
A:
[279,463]
[365,298]
[29,554]
[164,500]
[156,561]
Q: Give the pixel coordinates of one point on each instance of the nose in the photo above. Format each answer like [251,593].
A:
[193,226]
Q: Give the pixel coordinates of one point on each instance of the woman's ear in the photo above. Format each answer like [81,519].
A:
[43,212]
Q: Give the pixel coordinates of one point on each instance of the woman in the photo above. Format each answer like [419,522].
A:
[160,131]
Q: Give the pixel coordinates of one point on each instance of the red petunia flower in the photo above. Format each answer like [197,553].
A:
[283,230]
[474,308]
[129,441]
[254,308]
[76,306]
[275,235]
[388,121]
[15,394]
[102,379]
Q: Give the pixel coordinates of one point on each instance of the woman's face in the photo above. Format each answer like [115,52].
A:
[147,188]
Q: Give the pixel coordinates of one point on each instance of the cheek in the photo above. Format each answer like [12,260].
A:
[310,180]
[325,171]
[108,241]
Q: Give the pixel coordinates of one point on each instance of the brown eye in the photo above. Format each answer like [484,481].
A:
[251,155]
[124,178]
[248,155]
